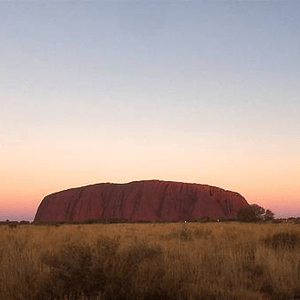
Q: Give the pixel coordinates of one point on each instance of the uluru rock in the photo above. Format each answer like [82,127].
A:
[140,200]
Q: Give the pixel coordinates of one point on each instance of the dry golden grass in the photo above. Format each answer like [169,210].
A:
[150,261]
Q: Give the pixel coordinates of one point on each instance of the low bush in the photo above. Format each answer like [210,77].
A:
[103,270]
[282,240]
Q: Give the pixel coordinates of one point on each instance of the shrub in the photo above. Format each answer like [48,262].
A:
[282,240]
[183,234]
[13,224]
[76,269]
[254,213]
[103,270]
[269,215]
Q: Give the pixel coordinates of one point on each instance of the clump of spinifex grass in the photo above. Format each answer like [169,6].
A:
[103,270]
[150,261]
[186,234]
[283,240]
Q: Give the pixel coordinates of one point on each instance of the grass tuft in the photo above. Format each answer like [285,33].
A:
[282,240]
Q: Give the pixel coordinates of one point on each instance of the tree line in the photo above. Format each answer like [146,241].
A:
[254,213]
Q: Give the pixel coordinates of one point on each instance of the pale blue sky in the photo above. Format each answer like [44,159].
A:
[87,79]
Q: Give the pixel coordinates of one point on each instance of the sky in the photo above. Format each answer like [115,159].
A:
[116,91]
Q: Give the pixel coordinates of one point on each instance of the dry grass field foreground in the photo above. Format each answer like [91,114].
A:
[150,261]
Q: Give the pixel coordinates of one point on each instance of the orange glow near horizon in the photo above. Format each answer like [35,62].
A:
[20,202]
[29,176]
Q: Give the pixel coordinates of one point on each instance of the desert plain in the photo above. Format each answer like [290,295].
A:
[154,260]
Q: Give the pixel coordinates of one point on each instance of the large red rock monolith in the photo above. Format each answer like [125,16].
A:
[140,200]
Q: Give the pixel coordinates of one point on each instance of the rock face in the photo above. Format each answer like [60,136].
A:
[140,200]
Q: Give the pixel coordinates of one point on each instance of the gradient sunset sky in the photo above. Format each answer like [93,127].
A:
[117,91]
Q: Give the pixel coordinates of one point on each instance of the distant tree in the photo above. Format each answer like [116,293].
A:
[269,215]
[258,211]
[254,213]
[246,214]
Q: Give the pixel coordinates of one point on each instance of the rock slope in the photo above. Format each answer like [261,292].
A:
[140,200]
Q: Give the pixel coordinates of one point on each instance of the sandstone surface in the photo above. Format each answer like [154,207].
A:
[140,200]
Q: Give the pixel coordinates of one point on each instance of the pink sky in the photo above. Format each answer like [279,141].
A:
[193,91]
